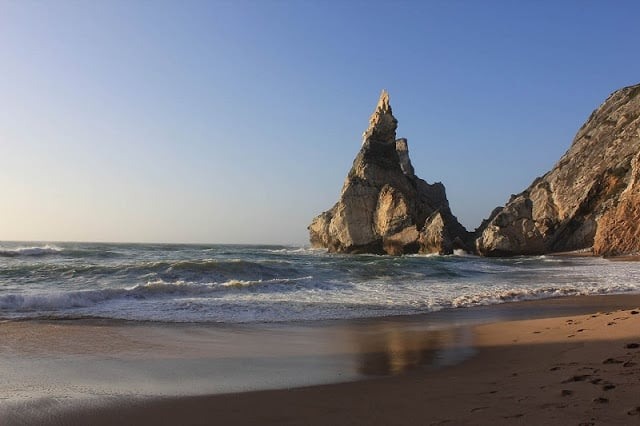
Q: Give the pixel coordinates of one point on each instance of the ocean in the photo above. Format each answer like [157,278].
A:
[264,283]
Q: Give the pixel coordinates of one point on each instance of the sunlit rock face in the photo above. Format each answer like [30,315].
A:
[383,206]
[618,230]
[590,199]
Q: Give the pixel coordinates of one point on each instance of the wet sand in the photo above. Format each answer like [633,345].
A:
[576,362]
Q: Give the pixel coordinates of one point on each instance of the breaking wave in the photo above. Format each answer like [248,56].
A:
[202,283]
[30,251]
[54,301]
[515,295]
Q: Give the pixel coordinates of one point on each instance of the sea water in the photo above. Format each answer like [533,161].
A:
[251,283]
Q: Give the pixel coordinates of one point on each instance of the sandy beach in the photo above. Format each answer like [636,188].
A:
[559,361]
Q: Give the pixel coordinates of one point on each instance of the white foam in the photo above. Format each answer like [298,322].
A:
[247,283]
[156,289]
[273,286]
[517,295]
[30,251]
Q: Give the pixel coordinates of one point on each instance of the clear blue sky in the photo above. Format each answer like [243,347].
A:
[237,121]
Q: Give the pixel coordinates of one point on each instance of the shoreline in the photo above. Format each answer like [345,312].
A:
[631,257]
[526,308]
[452,349]
[526,382]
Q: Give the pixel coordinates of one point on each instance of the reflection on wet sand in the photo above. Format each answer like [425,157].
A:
[390,350]
[62,359]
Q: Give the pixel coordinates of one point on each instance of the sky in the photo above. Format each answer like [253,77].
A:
[237,121]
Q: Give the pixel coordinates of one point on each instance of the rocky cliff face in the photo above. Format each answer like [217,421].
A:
[618,230]
[591,198]
[383,206]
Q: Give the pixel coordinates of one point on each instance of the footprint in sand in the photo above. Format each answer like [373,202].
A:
[515,416]
[634,312]
[566,392]
[634,411]
[441,422]
[612,361]
[577,378]
[632,345]
[608,386]
[600,400]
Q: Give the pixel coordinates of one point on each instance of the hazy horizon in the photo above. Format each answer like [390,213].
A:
[236,122]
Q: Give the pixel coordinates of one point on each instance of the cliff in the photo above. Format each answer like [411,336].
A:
[384,207]
[591,197]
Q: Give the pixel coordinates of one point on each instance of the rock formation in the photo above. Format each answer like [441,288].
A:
[619,227]
[590,199]
[383,206]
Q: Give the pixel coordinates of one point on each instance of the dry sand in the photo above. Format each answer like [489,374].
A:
[563,370]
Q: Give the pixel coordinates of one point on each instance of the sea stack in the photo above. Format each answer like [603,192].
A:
[384,207]
[589,200]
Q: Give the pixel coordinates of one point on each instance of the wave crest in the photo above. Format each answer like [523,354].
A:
[55,301]
[30,251]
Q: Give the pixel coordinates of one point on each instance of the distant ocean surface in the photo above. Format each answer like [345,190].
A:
[239,284]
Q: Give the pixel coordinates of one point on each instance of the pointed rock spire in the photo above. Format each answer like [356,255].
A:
[383,206]
[382,124]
